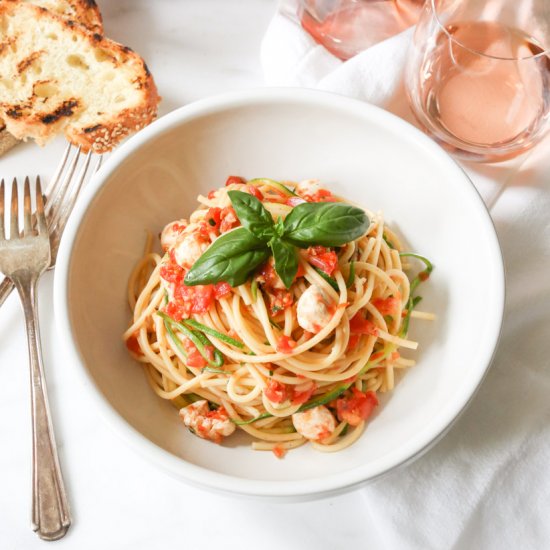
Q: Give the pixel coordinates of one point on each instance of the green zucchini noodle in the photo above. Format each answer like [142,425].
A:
[242,345]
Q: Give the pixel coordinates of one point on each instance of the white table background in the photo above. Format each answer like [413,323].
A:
[194,48]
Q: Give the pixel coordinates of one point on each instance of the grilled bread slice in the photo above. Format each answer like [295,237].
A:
[58,76]
[85,12]
[7,141]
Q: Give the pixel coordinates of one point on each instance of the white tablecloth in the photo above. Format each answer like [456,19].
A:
[198,48]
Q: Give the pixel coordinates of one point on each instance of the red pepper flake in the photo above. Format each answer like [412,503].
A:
[424,276]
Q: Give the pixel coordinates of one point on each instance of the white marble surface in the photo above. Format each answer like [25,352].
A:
[194,48]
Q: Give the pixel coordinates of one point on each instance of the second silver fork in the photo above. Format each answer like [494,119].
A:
[63,191]
[24,256]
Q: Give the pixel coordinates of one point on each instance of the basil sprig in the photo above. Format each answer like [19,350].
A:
[235,255]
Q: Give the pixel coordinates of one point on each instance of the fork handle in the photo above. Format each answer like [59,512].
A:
[50,509]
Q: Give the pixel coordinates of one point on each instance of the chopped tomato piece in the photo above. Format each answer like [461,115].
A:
[190,299]
[279,300]
[279,451]
[176,311]
[267,275]
[353,341]
[171,272]
[234,179]
[221,290]
[255,192]
[212,194]
[300,397]
[301,272]
[277,392]
[322,258]
[285,344]
[229,219]
[356,408]
[294,201]
[133,345]
[194,357]
[424,275]
[387,306]
[213,218]
[360,325]
[321,195]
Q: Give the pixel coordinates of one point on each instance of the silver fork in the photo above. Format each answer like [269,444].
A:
[62,194]
[23,258]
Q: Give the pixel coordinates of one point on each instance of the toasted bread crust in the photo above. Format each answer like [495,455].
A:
[7,141]
[24,119]
[87,13]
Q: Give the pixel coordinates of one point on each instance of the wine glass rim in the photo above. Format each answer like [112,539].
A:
[546,51]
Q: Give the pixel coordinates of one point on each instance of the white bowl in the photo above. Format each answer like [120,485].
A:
[361,152]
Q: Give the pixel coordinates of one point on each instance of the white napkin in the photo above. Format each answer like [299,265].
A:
[290,57]
[487,483]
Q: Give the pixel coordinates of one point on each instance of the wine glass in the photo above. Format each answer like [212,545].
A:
[478,75]
[347,27]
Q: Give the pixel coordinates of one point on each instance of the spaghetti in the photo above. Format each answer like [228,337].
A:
[286,363]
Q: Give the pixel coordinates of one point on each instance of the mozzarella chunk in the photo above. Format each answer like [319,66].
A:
[314,309]
[172,233]
[198,215]
[308,187]
[211,425]
[317,423]
[189,249]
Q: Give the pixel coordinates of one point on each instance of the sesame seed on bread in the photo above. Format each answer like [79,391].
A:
[58,76]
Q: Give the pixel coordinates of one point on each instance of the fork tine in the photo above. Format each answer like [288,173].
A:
[57,196]
[27,225]
[2,199]
[14,218]
[53,187]
[40,215]
[68,204]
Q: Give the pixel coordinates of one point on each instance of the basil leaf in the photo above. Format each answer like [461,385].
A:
[324,223]
[286,260]
[231,258]
[252,214]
